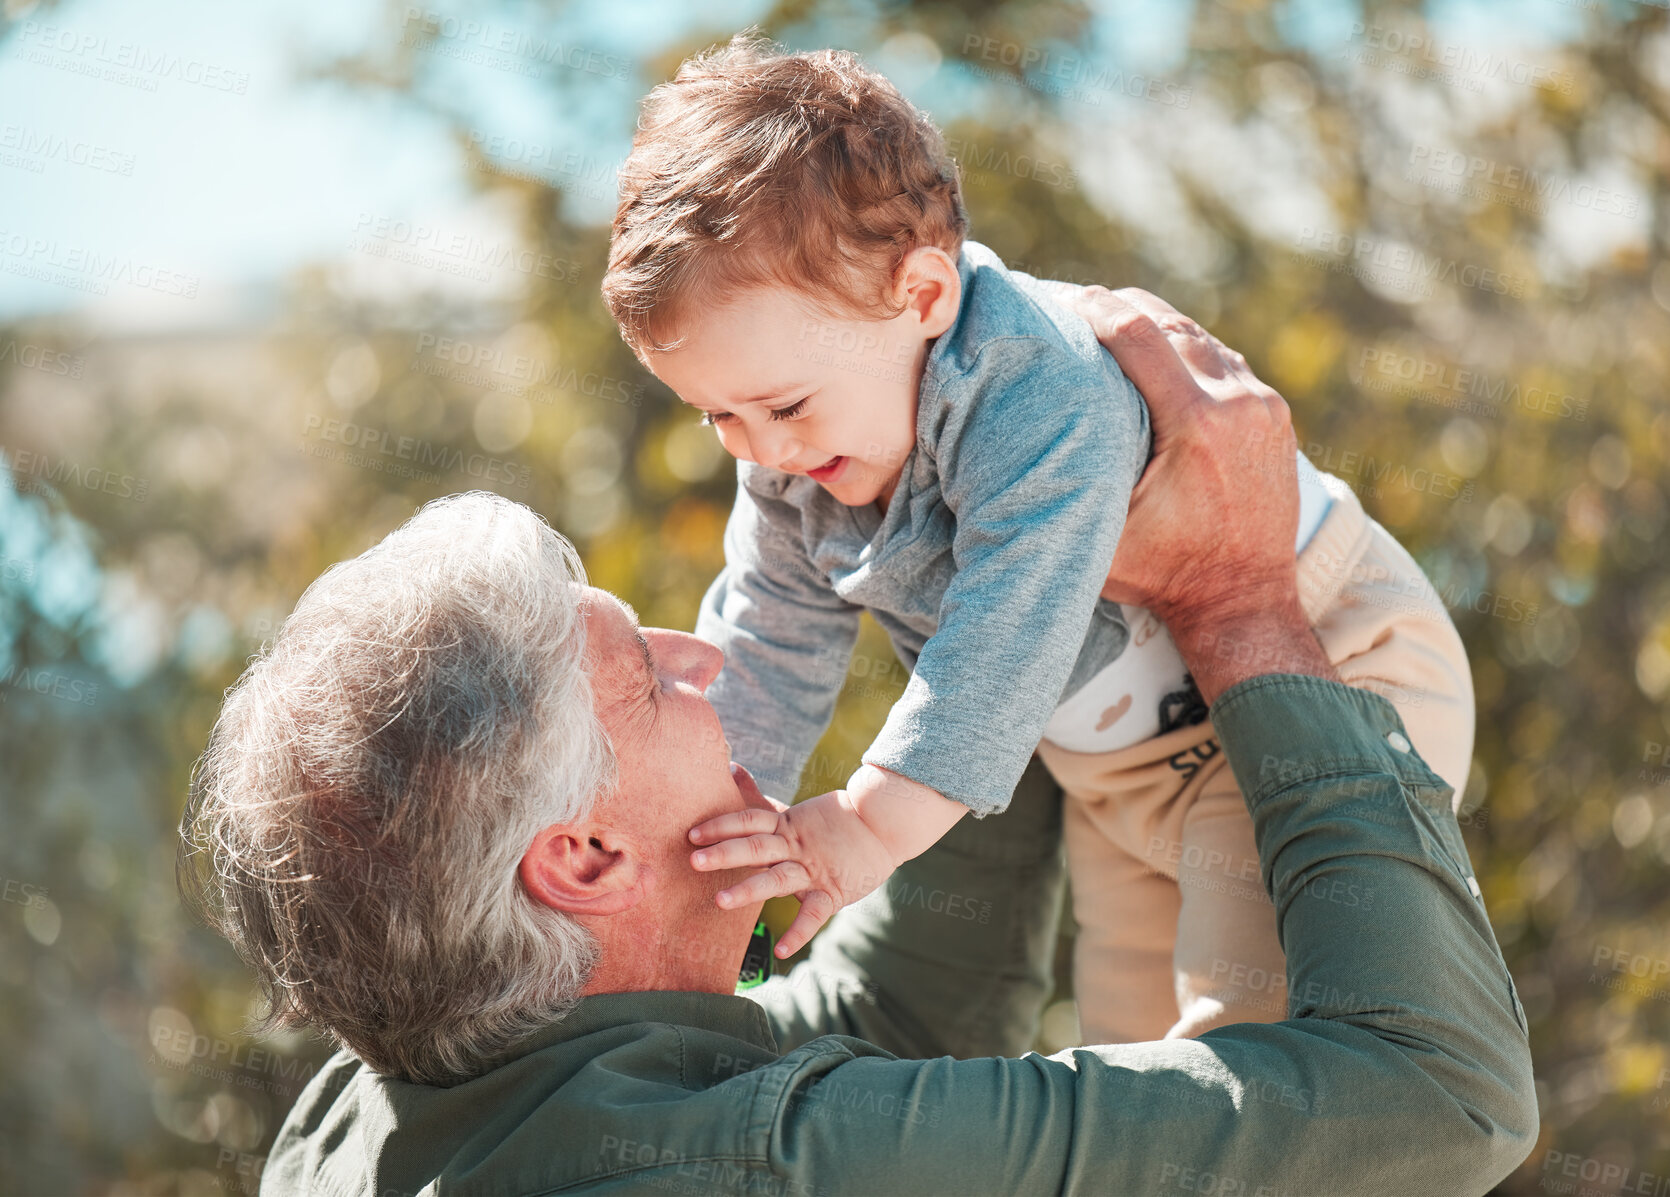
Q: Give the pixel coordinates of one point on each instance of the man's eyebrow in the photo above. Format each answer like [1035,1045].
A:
[638,635]
[649,661]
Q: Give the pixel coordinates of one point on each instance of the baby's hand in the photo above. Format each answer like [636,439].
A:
[819,850]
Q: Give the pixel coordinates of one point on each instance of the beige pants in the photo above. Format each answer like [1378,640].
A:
[1176,934]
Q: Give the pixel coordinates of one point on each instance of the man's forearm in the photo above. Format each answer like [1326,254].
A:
[1403,1067]
[1265,631]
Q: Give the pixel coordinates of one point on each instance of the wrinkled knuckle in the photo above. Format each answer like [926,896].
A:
[1136,327]
[1174,324]
[1279,407]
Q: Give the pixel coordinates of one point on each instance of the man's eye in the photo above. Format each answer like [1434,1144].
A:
[791,411]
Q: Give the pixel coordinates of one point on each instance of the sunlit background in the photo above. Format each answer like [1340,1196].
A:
[272,275]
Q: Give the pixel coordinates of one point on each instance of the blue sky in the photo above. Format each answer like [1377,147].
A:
[237,172]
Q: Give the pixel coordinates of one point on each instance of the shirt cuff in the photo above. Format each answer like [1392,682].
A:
[1281,730]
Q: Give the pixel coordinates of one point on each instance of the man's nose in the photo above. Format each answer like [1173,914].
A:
[689,658]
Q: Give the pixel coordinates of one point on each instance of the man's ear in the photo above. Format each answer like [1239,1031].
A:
[573,870]
[930,288]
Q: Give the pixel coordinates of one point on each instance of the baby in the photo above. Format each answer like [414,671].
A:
[930,437]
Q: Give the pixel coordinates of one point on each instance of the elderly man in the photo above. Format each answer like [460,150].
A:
[446,818]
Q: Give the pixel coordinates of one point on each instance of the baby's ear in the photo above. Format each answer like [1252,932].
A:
[928,284]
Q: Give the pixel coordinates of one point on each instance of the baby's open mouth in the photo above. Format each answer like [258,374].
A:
[827,471]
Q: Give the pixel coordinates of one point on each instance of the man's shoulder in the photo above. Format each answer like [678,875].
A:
[327,1108]
[639,1101]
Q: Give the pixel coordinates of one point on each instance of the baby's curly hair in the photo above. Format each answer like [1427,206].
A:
[757,166]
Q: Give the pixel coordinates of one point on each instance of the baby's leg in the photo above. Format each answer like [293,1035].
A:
[1229,962]
[1123,810]
[1122,954]
[1385,629]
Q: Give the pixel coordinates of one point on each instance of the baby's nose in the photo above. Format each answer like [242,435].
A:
[772,450]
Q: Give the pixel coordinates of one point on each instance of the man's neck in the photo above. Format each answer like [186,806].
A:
[635,959]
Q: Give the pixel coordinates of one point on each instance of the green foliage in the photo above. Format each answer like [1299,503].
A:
[1424,264]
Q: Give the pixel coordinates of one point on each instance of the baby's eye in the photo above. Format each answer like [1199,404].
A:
[709,419]
[791,411]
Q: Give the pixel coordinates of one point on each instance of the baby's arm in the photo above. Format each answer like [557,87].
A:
[786,635]
[828,851]
[787,638]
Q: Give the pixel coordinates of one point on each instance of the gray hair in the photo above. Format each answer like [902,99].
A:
[375,777]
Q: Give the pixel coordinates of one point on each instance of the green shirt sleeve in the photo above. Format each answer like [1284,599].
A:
[952,956]
[1403,1066]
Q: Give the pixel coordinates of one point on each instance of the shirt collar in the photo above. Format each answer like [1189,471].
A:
[725,1013]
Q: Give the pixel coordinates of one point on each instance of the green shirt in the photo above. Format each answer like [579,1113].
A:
[1403,1066]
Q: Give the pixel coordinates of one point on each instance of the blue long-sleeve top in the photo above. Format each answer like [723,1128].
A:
[985,569]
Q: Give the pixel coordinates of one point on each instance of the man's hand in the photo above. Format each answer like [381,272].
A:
[1208,544]
[828,851]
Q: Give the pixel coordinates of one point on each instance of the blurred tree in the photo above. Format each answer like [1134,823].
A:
[1448,253]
